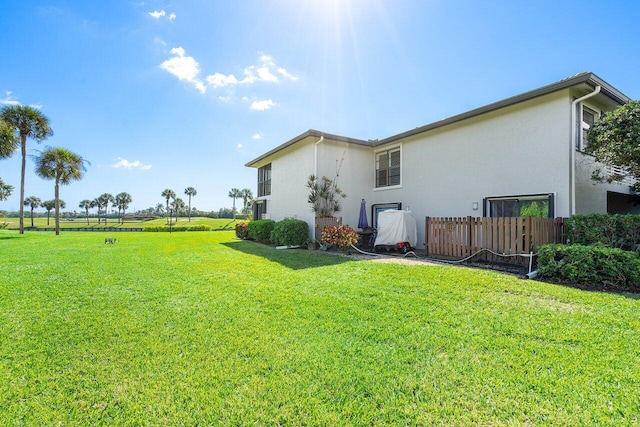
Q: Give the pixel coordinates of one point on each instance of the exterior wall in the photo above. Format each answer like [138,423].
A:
[355,177]
[291,168]
[522,149]
[289,171]
[591,196]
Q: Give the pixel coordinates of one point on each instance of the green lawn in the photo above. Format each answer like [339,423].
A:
[215,223]
[200,328]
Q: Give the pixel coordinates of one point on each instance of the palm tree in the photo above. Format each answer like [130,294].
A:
[8,144]
[27,122]
[158,209]
[190,191]
[86,204]
[178,205]
[105,199]
[33,202]
[97,203]
[168,194]
[247,196]
[51,204]
[122,201]
[235,194]
[5,190]
[63,166]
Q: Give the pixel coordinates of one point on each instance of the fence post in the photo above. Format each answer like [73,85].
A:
[426,237]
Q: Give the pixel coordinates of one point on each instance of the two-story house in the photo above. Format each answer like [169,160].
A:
[520,155]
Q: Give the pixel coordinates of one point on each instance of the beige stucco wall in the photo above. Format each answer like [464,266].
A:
[518,150]
[291,167]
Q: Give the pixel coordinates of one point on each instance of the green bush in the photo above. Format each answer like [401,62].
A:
[614,231]
[261,229]
[165,228]
[595,266]
[242,231]
[290,232]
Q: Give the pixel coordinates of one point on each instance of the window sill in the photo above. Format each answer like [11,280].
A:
[391,187]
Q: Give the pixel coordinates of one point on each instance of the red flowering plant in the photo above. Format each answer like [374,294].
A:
[341,236]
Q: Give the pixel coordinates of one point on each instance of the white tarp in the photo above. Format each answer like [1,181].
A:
[395,227]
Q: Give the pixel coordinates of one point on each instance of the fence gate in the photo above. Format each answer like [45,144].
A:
[323,222]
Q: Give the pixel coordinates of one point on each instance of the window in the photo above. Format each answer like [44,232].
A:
[588,119]
[388,168]
[264,180]
[379,207]
[537,205]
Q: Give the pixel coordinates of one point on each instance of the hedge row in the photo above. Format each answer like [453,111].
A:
[165,228]
[596,266]
[614,231]
[288,232]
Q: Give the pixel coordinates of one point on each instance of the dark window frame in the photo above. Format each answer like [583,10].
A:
[264,180]
[515,200]
[388,173]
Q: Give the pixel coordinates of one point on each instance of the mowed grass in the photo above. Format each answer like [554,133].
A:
[214,223]
[203,329]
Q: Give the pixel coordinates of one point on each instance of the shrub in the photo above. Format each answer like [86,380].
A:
[595,266]
[261,229]
[290,232]
[614,231]
[242,231]
[341,236]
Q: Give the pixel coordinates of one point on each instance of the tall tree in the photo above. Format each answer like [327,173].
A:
[63,166]
[27,122]
[122,201]
[8,144]
[49,205]
[614,140]
[159,209]
[168,194]
[105,199]
[33,202]
[190,191]
[247,197]
[97,203]
[178,206]
[86,204]
[235,194]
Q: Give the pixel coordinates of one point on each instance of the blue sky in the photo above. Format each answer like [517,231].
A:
[160,94]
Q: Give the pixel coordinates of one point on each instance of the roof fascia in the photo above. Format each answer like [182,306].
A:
[310,133]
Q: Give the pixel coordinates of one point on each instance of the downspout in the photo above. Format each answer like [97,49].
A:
[315,169]
[572,165]
[315,156]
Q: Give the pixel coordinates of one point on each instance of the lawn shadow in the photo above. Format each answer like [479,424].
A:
[4,236]
[295,259]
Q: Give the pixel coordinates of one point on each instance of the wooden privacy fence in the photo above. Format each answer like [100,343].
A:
[323,222]
[463,237]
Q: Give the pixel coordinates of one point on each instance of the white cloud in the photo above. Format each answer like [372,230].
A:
[257,136]
[184,68]
[124,163]
[239,146]
[225,99]
[284,73]
[172,16]
[265,71]
[220,80]
[9,99]
[262,105]
[157,14]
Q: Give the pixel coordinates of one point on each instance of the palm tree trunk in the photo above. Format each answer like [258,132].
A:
[57,204]
[189,207]
[23,148]
[31,217]
[87,211]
